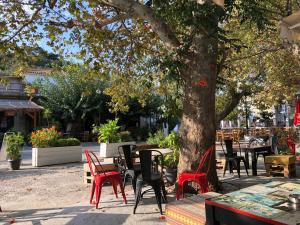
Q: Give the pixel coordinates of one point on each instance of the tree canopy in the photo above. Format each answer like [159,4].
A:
[71,93]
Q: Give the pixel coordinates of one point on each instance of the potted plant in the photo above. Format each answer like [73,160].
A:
[110,138]
[15,142]
[49,147]
[170,160]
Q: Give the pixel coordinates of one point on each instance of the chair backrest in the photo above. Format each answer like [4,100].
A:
[207,156]
[291,144]
[91,158]
[148,165]
[128,150]
[229,148]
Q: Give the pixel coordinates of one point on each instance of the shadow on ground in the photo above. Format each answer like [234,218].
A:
[67,215]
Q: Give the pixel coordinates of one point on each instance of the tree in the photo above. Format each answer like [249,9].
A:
[257,63]
[143,46]
[16,62]
[70,97]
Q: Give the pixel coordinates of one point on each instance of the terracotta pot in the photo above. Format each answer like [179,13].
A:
[34,90]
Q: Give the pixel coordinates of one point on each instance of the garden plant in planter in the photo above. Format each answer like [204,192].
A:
[110,138]
[49,147]
[285,141]
[15,142]
[170,160]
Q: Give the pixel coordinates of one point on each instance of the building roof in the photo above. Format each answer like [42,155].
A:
[16,104]
[38,71]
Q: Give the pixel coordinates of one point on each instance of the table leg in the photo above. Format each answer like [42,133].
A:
[210,215]
[254,163]
[247,159]
[230,166]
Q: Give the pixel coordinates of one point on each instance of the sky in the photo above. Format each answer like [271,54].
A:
[73,49]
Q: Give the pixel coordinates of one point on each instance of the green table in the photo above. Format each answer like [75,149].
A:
[259,204]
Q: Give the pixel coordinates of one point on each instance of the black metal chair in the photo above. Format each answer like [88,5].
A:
[232,160]
[150,175]
[126,165]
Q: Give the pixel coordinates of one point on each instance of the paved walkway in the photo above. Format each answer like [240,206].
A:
[56,195]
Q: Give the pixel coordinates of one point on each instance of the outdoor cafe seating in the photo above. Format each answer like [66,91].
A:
[127,164]
[100,177]
[198,176]
[148,172]
[232,160]
[151,176]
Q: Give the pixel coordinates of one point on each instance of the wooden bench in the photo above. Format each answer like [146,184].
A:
[281,164]
[188,211]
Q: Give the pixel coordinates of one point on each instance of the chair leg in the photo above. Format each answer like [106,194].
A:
[92,192]
[122,189]
[203,183]
[179,190]
[164,192]
[238,167]
[225,167]
[157,191]
[139,186]
[230,166]
[133,182]
[245,164]
[124,180]
[98,194]
[114,184]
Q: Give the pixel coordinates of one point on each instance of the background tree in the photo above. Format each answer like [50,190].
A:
[17,61]
[71,95]
[257,63]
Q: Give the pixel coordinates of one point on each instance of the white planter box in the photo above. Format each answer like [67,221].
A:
[111,149]
[56,155]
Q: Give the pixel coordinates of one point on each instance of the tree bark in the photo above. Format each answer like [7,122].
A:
[198,125]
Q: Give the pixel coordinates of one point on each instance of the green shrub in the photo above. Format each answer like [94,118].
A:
[67,142]
[172,141]
[125,136]
[14,141]
[141,133]
[156,139]
[73,142]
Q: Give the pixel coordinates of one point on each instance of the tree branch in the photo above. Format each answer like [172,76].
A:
[34,15]
[158,25]
[114,19]
[255,54]
[235,100]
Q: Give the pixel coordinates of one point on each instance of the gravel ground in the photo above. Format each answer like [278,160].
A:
[56,195]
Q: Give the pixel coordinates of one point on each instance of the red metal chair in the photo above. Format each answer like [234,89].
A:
[291,145]
[197,176]
[100,177]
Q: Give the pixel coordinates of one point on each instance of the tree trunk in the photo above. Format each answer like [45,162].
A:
[198,127]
